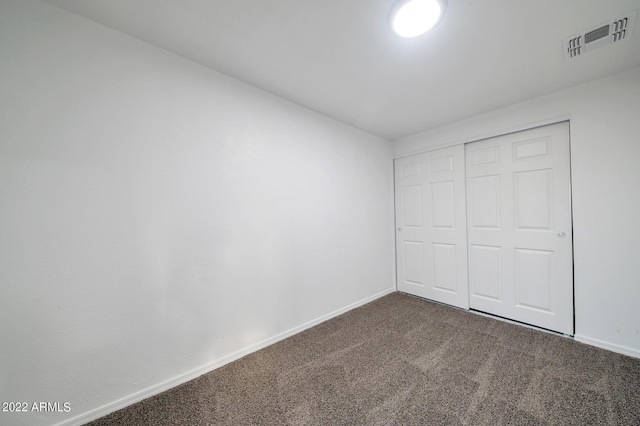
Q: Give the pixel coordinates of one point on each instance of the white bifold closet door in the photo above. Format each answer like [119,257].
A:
[519,227]
[431,226]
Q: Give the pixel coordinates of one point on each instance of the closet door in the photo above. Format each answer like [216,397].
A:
[519,227]
[430,226]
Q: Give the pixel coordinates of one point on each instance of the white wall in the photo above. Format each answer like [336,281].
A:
[157,218]
[605,163]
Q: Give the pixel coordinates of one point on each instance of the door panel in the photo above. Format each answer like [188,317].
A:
[484,210]
[430,226]
[533,279]
[533,201]
[444,263]
[519,227]
[443,205]
[485,272]
[414,262]
[412,206]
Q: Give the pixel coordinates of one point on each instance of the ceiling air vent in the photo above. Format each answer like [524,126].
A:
[614,31]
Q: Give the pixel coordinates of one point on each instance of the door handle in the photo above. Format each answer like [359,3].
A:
[561,235]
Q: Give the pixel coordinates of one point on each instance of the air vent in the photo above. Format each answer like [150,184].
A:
[620,29]
[614,31]
[594,35]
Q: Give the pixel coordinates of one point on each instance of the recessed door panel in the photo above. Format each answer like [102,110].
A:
[534,271]
[486,272]
[441,165]
[443,205]
[414,262]
[412,206]
[484,156]
[524,150]
[533,201]
[484,202]
[445,270]
[411,169]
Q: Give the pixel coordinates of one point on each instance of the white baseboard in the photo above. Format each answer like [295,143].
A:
[183,378]
[608,346]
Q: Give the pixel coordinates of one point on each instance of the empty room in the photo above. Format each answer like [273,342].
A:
[299,212]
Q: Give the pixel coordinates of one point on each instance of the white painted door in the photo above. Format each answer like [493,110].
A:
[430,226]
[519,227]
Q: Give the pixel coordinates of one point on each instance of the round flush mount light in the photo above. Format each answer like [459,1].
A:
[412,18]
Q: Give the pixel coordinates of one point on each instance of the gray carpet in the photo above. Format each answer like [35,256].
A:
[404,361]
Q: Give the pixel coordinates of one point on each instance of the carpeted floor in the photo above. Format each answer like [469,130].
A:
[405,361]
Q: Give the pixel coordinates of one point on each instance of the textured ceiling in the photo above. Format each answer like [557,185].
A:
[339,57]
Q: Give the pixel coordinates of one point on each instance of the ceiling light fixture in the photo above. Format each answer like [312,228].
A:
[412,18]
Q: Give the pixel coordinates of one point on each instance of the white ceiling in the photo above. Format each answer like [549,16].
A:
[339,57]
